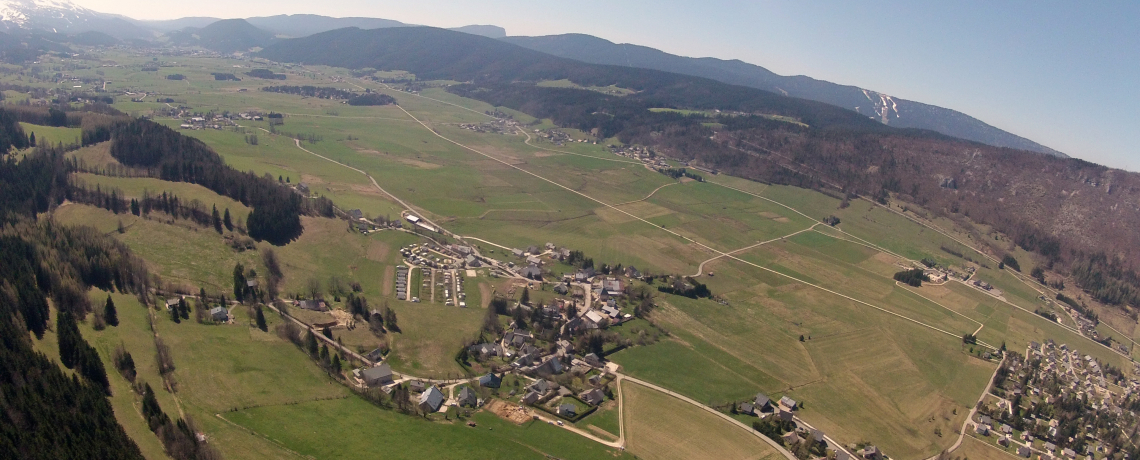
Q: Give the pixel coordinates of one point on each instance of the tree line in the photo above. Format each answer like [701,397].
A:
[170,156]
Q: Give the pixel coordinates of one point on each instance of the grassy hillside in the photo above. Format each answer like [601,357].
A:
[879,362]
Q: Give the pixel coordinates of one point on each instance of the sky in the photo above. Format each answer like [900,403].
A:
[1063,74]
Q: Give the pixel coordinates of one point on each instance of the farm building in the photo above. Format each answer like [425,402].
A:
[373,376]
[314,305]
[761,402]
[532,272]
[220,314]
[431,399]
[467,398]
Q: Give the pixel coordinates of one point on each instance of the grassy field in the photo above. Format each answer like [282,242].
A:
[134,188]
[980,450]
[603,421]
[659,426]
[51,135]
[184,253]
[308,428]
[132,334]
[863,374]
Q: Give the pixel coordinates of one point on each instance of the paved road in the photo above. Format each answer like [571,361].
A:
[775,445]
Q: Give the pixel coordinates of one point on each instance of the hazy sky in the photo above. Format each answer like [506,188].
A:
[1064,74]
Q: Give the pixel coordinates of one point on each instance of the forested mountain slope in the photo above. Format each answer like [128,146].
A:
[894,111]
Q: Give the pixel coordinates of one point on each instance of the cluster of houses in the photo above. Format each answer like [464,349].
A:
[783,410]
[499,126]
[640,153]
[544,392]
[556,136]
[1022,410]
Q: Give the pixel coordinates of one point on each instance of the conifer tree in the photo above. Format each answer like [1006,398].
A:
[217,221]
[110,314]
[336,367]
[311,344]
[261,320]
[226,220]
[239,282]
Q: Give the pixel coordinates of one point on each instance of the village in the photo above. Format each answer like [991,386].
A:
[1056,402]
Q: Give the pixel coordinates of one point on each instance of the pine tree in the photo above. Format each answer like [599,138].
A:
[67,333]
[32,139]
[525,299]
[324,353]
[135,206]
[174,316]
[390,320]
[110,314]
[327,333]
[311,343]
[336,368]
[261,320]
[217,221]
[239,282]
[226,220]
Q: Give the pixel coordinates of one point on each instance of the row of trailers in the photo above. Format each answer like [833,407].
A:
[402,282]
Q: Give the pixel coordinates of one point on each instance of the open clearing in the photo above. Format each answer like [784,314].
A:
[863,373]
[662,427]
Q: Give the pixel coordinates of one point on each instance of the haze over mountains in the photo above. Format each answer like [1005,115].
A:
[887,109]
[229,36]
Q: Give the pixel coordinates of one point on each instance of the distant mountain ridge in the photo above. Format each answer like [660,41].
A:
[889,110]
[224,36]
[61,16]
[303,25]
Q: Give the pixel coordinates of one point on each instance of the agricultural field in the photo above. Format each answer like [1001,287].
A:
[52,135]
[659,427]
[306,429]
[802,308]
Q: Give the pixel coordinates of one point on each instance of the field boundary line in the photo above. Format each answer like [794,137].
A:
[701,267]
[735,422]
[253,432]
[973,410]
[675,233]
[650,195]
